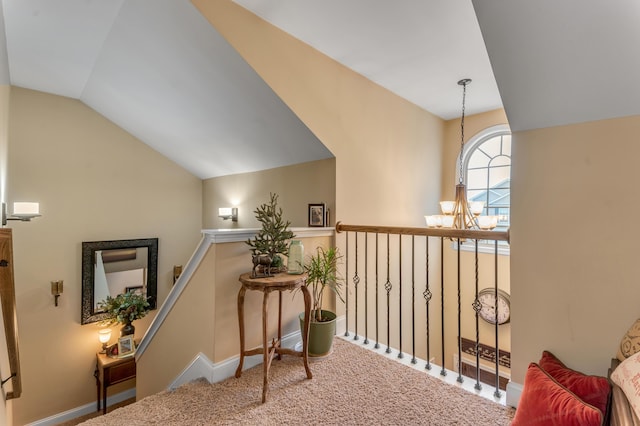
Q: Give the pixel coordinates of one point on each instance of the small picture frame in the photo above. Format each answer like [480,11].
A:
[126,346]
[316,215]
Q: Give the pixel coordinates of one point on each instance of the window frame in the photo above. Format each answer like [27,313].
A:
[469,147]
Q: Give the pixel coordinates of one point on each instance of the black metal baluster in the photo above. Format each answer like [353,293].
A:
[346,290]
[459,379]
[387,287]
[356,280]
[443,372]
[414,360]
[377,345]
[497,393]
[400,354]
[366,288]
[427,298]
[477,306]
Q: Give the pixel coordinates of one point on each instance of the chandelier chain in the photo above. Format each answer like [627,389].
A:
[463,83]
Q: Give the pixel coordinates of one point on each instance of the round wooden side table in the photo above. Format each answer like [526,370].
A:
[279,282]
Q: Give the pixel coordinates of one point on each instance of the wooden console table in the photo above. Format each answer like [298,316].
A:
[110,371]
[280,282]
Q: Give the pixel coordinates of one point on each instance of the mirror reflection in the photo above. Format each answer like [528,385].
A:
[110,268]
[119,271]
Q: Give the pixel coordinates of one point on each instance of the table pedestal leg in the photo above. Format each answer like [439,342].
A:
[279,321]
[305,333]
[96,374]
[241,325]
[104,399]
[265,348]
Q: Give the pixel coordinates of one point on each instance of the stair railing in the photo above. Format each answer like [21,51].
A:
[9,314]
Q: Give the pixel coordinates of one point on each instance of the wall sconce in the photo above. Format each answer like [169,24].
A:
[56,289]
[177,270]
[104,336]
[228,213]
[21,211]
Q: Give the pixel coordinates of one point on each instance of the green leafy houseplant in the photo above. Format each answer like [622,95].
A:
[273,238]
[322,274]
[124,308]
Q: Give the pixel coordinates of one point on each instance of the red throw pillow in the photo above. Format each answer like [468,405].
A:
[545,402]
[593,390]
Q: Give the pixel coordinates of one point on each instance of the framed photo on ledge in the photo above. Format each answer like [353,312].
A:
[316,215]
[126,346]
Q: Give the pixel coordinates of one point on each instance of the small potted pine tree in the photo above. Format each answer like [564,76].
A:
[322,274]
[273,238]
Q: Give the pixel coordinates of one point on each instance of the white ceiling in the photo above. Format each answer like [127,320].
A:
[160,71]
[418,49]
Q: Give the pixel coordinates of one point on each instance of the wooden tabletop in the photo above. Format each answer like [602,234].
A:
[278,281]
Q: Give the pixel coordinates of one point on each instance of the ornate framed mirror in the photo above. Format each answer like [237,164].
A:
[110,268]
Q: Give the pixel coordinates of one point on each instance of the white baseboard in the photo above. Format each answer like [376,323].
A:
[514,390]
[83,410]
[341,325]
[202,366]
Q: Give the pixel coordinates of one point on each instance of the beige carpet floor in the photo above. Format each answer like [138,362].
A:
[353,386]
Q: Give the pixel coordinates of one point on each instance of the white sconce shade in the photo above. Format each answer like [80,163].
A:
[21,209]
[228,213]
[447,206]
[475,207]
[487,222]
[447,221]
[434,221]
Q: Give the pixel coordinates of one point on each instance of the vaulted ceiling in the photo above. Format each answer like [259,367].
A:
[160,71]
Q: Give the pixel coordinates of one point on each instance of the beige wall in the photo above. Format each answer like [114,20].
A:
[193,327]
[297,186]
[94,182]
[388,151]
[574,242]
[188,330]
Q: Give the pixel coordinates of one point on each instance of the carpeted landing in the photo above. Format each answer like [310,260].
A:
[353,386]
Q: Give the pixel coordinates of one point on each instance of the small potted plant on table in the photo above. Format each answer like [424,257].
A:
[124,309]
[322,274]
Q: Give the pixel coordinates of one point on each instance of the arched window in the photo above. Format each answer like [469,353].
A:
[486,163]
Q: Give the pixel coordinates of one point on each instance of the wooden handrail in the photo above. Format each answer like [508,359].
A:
[9,316]
[471,234]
